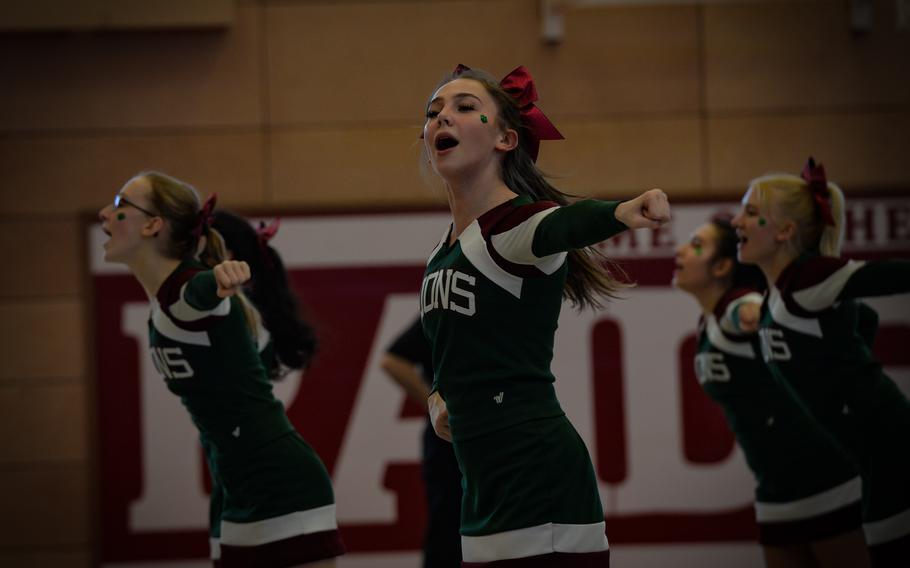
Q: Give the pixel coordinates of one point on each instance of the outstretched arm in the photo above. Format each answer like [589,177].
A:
[590,221]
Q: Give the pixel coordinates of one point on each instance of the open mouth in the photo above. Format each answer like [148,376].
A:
[445,142]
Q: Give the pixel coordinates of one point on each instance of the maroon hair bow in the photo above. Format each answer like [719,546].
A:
[205,218]
[520,86]
[264,234]
[814,175]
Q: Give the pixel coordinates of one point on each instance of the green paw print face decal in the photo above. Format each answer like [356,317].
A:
[483,118]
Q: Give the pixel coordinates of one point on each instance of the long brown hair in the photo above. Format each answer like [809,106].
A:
[591,279]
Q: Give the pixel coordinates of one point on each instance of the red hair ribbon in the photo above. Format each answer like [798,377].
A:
[205,218]
[264,234]
[814,175]
[520,86]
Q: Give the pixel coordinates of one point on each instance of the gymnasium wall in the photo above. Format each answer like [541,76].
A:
[305,105]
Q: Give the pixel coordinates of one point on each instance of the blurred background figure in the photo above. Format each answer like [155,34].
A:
[409,363]
[793,459]
[814,339]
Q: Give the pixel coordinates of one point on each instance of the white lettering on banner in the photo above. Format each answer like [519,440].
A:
[711,367]
[894,310]
[376,436]
[660,480]
[173,496]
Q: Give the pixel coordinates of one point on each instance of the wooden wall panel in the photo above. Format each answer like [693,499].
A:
[802,55]
[43,340]
[51,264]
[70,558]
[50,14]
[34,15]
[318,74]
[44,507]
[66,175]
[132,80]
[623,157]
[50,423]
[382,166]
[613,61]
[313,167]
[620,60]
[169,14]
[861,150]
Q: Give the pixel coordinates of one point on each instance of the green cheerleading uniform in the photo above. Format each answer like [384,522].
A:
[812,341]
[277,503]
[216,500]
[807,488]
[490,303]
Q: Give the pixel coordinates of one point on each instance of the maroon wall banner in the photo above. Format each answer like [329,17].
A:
[673,482]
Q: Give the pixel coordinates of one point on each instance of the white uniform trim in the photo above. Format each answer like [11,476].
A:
[516,244]
[824,294]
[475,250]
[891,528]
[169,329]
[279,528]
[214,549]
[185,312]
[535,541]
[719,340]
[782,315]
[825,502]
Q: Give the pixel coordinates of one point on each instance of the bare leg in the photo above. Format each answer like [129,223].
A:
[842,551]
[793,556]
